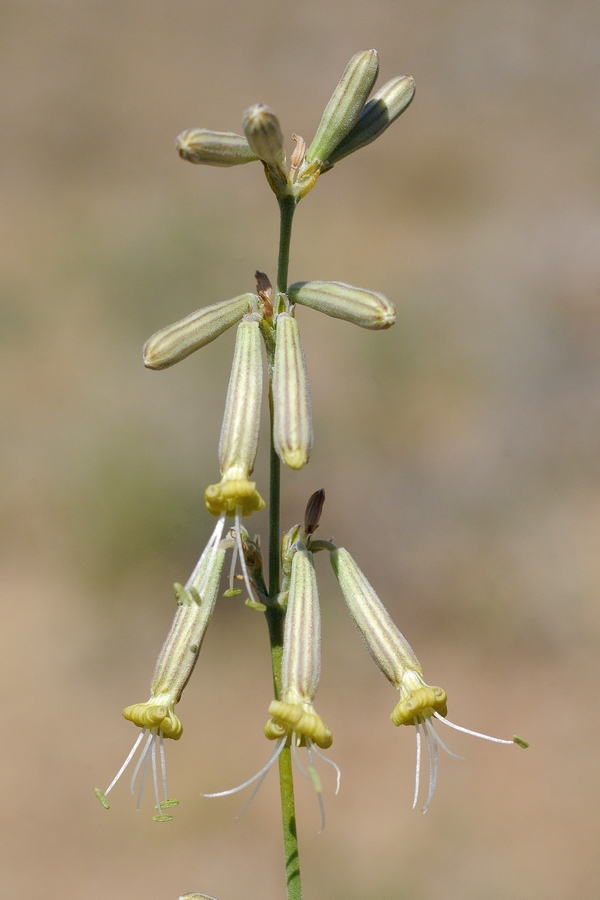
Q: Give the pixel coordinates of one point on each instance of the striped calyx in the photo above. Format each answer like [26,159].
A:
[301,662]
[387,645]
[369,309]
[239,433]
[345,105]
[377,115]
[180,650]
[214,148]
[292,428]
[173,343]
[263,133]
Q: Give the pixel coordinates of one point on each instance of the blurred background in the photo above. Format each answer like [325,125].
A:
[459,450]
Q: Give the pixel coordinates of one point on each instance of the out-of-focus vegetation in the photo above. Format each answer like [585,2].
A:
[459,450]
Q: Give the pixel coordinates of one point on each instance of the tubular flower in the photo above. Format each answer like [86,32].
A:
[292,413]
[294,721]
[235,495]
[419,702]
[176,661]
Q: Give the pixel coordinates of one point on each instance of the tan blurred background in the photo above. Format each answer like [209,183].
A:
[459,450]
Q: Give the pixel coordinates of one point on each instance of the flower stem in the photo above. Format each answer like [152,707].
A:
[275,615]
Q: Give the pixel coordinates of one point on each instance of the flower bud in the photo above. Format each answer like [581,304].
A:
[369,309]
[239,433]
[176,341]
[263,133]
[388,647]
[214,148]
[301,661]
[345,105]
[378,114]
[195,896]
[292,426]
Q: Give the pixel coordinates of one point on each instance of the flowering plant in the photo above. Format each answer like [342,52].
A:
[288,596]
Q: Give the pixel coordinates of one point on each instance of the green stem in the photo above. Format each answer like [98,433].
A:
[275,615]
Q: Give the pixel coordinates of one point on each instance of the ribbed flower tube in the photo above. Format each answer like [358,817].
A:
[368,309]
[345,104]
[263,133]
[301,662]
[173,343]
[180,650]
[214,148]
[239,433]
[386,644]
[292,426]
[377,115]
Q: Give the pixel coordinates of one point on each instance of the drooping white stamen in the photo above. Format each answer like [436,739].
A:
[126,763]
[486,737]
[238,541]
[316,782]
[297,762]
[330,762]
[149,753]
[155,777]
[212,546]
[278,748]
[163,766]
[432,754]
[140,761]
[442,744]
[418,766]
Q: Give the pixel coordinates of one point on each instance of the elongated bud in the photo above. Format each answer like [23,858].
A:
[263,133]
[180,651]
[176,341]
[301,662]
[214,148]
[383,108]
[369,309]
[345,105]
[239,433]
[388,647]
[292,429]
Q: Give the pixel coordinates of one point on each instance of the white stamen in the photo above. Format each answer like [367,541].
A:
[317,785]
[238,540]
[331,763]
[432,754]
[442,744]
[126,763]
[297,762]
[145,771]
[486,737]
[418,766]
[163,766]
[155,778]
[140,761]
[278,748]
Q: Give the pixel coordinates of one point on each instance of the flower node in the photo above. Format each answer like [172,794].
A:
[231,495]
[418,704]
[293,718]
[150,715]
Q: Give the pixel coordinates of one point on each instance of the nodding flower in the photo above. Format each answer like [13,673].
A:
[294,721]
[419,702]
[176,661]
[235,495]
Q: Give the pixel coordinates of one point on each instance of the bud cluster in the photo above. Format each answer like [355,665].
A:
[349,122]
